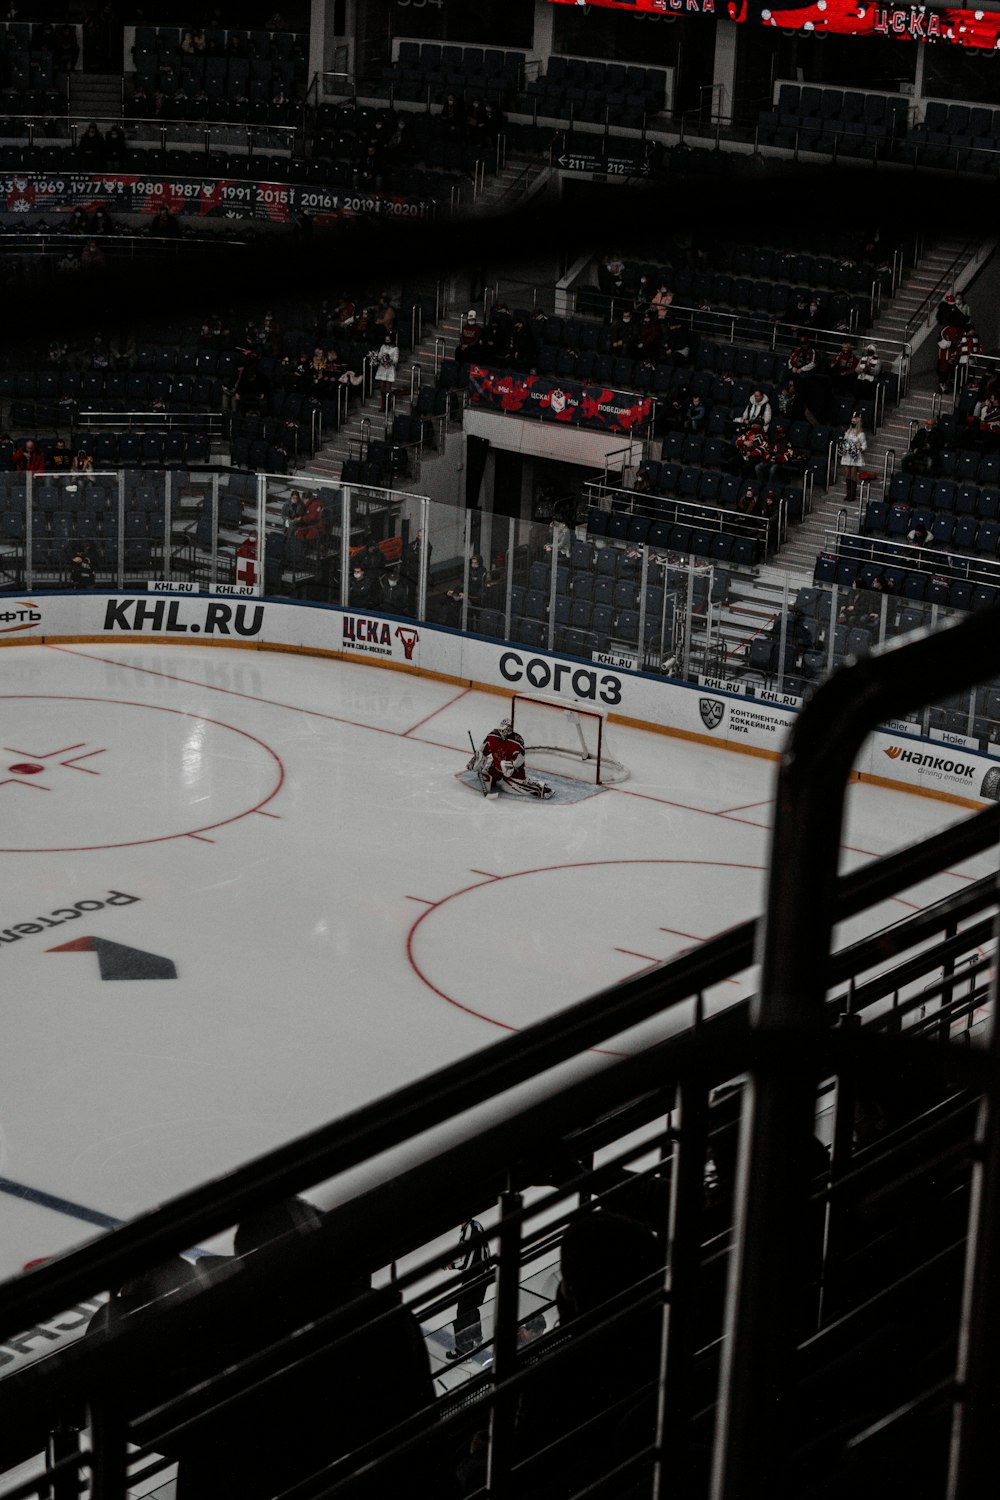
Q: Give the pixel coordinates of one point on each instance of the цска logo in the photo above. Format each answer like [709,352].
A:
[711,710]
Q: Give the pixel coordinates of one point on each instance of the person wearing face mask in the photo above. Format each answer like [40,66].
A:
[361,592]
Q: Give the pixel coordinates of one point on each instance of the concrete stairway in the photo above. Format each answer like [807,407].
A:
[95,96]
[347,442]
[894,323]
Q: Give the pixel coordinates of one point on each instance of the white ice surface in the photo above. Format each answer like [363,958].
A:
[343,913]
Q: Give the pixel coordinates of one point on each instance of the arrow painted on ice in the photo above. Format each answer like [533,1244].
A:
[119,962]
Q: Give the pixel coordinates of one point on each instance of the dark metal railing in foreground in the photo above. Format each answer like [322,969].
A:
[534,1133]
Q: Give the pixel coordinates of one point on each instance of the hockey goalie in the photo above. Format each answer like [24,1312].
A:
[499,761]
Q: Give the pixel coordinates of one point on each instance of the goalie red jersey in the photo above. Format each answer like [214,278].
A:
[500,762]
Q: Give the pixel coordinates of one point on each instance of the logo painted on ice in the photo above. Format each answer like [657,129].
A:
[711,710]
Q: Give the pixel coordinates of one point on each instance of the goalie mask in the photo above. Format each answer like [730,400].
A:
[506,728]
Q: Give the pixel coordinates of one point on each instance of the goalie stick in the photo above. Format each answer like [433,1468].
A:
[476,765]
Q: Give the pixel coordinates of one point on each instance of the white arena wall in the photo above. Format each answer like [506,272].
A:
[709,716]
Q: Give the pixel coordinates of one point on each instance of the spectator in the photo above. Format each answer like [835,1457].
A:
[648,336]
[919,457]
[757,409]
[949,338]
[661,300]
[780,454]
[748,508]
[751,448]
[787,401]
[90,148]
[312,526]
[372,557]
[610,273]
[393,592]
[92,257]
[252,389]
[624,336]
[293,510]
[953,309]
[853,445]
[452,119]
[598,1397]
[843,369]
[285,1421]
[386,360]
[60,458]
[522,350]
[969,345]
[6,453]
[115,150]
[801,369]
[986,420]
[83,462]
[676,337]
[869,370]
[451,613]
[29,459]
[412,562]
[469,338]
[694,417]
[477,577]
[862,609]
[164,225]
[339,371]
[472,1261]
[361,593]
[81,570]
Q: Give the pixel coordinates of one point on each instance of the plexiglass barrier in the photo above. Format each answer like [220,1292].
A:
[547,585]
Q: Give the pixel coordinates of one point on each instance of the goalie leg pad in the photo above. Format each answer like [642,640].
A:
[527,787]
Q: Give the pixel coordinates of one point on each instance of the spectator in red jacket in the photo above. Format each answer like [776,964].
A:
[312,527]
[28,459]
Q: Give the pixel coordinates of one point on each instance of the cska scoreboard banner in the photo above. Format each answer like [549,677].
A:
[570,402]
[958,28]
[202,197]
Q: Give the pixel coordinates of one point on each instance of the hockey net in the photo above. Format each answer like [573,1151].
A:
[565,739]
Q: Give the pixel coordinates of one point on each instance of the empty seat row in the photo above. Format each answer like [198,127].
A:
[50,553]
[131,387]
[943,528]
[965,498]
[220,40]
[911,584]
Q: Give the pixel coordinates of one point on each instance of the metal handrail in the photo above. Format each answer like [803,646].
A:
[796,939]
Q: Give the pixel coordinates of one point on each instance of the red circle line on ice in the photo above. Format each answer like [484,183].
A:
[278,772]
[433,908]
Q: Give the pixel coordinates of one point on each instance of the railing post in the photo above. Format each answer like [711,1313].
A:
[504,1406]
[671,1475]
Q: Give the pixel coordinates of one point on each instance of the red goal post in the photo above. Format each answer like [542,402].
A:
[565,738]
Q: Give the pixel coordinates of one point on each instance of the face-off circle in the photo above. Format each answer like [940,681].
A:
[105,773]
[610,919]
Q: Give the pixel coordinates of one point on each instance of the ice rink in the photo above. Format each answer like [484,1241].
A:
[245,892]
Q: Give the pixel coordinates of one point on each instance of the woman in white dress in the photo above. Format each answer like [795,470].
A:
[853,446]
[385,359]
